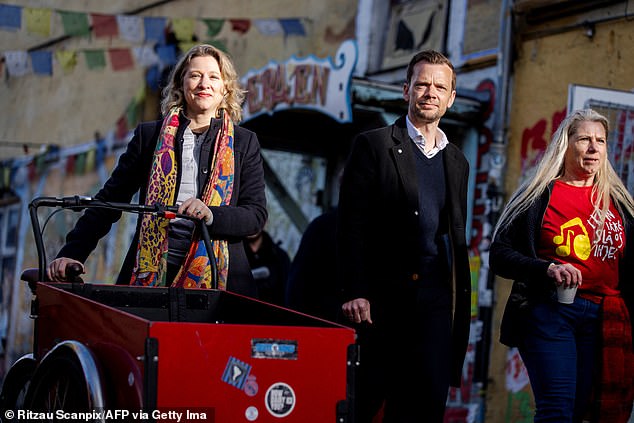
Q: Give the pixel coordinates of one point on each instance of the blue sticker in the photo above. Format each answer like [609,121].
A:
[236,372]
[274,348]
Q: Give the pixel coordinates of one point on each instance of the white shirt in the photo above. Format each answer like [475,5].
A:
[420,141]
[189,180]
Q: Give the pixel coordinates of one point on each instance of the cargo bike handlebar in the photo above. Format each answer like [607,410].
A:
[79,203]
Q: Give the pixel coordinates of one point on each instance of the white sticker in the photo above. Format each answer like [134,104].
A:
[280,399]
[251,413]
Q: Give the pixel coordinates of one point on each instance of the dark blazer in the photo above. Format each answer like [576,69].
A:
[513,255]
[379,249]
[245,215]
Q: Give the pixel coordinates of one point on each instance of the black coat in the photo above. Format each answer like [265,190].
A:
[513,255]
[245,215]
[379,250]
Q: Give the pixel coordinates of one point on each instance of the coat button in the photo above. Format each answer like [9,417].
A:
[415,212]
[415,276]
[399,151]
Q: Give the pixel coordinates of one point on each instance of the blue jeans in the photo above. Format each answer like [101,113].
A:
[560,349]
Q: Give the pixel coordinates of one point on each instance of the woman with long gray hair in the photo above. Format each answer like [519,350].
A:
[568,230]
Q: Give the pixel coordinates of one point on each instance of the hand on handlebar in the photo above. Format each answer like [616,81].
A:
[194,207]
[64,269]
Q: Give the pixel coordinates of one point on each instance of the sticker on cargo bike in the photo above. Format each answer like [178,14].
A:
[280,399]
[274,348]
[251,413]
[236,372]
[251,386]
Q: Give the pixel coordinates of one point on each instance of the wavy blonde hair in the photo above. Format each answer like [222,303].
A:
[173,95]
[607,184]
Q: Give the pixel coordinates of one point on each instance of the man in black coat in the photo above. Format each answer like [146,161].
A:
[403,255]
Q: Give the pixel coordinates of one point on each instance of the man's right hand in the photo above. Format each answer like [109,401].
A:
[56,270]
[357,310]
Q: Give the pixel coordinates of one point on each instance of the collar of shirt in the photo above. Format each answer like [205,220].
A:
[419,139]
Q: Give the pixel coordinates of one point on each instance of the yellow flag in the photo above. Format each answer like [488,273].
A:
[67,59]
[140,95]
[90,160]
[38,21]
[183,28]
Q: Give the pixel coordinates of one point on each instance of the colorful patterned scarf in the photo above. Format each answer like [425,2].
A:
[151,262]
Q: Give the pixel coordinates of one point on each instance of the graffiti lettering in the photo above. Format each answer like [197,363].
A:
[307,84]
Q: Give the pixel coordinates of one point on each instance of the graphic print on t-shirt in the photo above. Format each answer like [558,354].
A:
[570,234]
[580,243]
[609,241]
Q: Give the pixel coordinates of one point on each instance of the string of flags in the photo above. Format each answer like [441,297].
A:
[147,32]
[77,159]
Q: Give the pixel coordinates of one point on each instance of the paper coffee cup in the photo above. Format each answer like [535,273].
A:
[566,295]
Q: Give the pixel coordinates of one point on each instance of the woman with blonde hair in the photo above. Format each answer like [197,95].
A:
[569,225]
[198,159]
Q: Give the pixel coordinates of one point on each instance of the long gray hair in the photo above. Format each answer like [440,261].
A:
[607,184]
[173,95]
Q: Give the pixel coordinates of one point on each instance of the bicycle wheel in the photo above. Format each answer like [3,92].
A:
[67,379]
[16,383]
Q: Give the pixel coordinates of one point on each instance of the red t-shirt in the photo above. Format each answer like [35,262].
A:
[569,235]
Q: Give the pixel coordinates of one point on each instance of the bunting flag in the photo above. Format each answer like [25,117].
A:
[130,28]
[95,59]
[42,62]
[133,28]
[167,54]
[17,63]
[240,25]
[145,56]
[139,97]
[89,165]
[269,26]
[70,163]
[153,77]
[10,17]
[142,31]
[122,128]
[80,164]
[38,21]
[131,114]
[120,59]
[104,25]
[292,27]
[75,23]
[67,59]
[214,26]
[183,29]
[155,29]
[74,160]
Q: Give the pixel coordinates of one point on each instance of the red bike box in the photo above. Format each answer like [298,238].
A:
[168,354]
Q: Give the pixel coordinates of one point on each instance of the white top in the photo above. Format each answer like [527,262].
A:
[420,140]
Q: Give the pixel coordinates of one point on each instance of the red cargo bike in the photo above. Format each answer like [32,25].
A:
[121,353]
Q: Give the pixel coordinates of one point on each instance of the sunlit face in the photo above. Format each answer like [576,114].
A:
[203,86]
[429,92]
[586,153]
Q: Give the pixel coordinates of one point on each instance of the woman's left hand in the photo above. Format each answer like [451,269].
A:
[196,208]
[565,273]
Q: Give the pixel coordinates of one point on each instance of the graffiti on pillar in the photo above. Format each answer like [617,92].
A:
[621,152]
[536,138]
[519,408]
